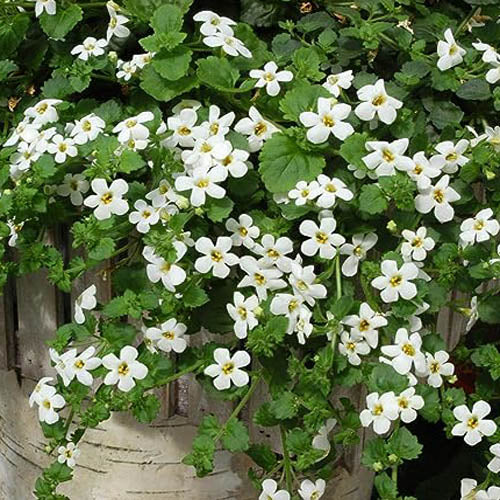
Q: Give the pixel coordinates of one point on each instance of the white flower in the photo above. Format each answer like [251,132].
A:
[227,369]
[366,324]
[202,182]
[408,403]
[48,402]
[230,45]
[352,345]
[73,186]
[116,25]
[493,75]
[144,216]
[24,131]
[328,120]
[312,491]
[437,367]
[169,273]
[89,47]
[469,491]
[304,192]
[270,77]
[437,198]
[26,155]
[259,277]
[417,243]
[386,157]
[356,251]
[405,352]
[288,305]
[49,6]
[203,152]
[321,441]
[494,464]
[182,126]
[242,312]
[142,60]
[107,201]
[303,326]
[124,370]
[162,195]
[450,54]
[86,300]
[396,282]
[234,160]
[213,23]
[472,424]
[43,112]
[303,283]
[244,232]
[68,454]
[39,390]
[169,336]
[330,190]
[274,252]
[422,171]
[256,128]
[87,128]
[377,102]
[126,69]
[133,128]
[216,124]
[479,228]
[270,491]
[63,364]
[381,411]
[61,148]
[84,362]
[490,54]
[450,156]
[361,173]
[322,238]
[334,83]
[493,137]
[216,257]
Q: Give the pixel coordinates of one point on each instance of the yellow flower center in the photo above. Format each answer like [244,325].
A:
[453,49]
[268,77]
[272,253]
[451,156]
[46,404]
[396,280]
[243,231]
[79,364]
[169,335]
[206,148]
[328,121]
[227,160]
[123,369]
[68,453]
[216,256]
[214,128]
[408,349]
[364,325]
[378,409]
[242,312]
[302,285]
[42,108]
[259,279]
[292,305]
[478,225]
[146,214]
[321,237]
[228,368]
[434,367]
[166,267]
[473,422]
[439,195]
[86,126]
[379,100]
[388,155]
[332,79]
[203,183]
[350,346]
[417,242]
[330,188]
[358,251]
[304,193]
[418,169]
[107,198]
[183,130]
[62,147]
[130,123]
[260,128]
[403,403]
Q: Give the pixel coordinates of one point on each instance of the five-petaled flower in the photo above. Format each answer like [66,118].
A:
[227,369]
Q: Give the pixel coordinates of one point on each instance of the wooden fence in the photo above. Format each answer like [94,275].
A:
[123,459]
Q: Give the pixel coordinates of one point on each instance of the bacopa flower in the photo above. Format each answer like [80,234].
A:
[49,6]
[422,171]
[107,201]
[489,53]
[380,412]
[61,148]
[85,301]
[328,120]
[132,128]
[338,82]
[216,257]
[74,186]
[169,336]
[479,228]
[68,454]
[386,157]
[331,189]
[244,232]
[256,128]
[304,192]
[202,182]
[405,352]
[216,124]
[262,279]
[212,23]
[270,491]
[366,324]
[450,54]
[182,125]
[417,243]
[377,103]
[144,216]
[87,128]
[322,238]
[303,281]
[242,311]
[469,491]
[43,112]
[230,45]
[408,404]
[438,198]
[356,252]
[41,386]
[233,160]
[450,156]
[116,25]
[437,367]
[494,464]
[472,424]
[227,369]
[352,345]
[83,363]
[321,441]
[312,491]
[493,75]
[395,281]
[269,77]
[169,273]
[90,47]
[124,370]
[274,252]
[49,402]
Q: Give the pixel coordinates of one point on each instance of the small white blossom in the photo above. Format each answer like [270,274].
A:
[260,278]
[87,128]
[331,189]
[234,160]
[24,157]
[422,171]
[203,152]
[493,137]
[490,54]
[437,367]
[274,252]
[381,411]
[493,75]
[366,324]
[24,132]
[61,148]
[270,491]
[356,252]
[376,102]
[269,77]
[227,369]
[288,305]
[142,60]
[395,281]
[133,128]
[169,336]
[116,25]
[417,243]
[216,257]
[126,70]
[312,491]
[256,128]
[408,404]
[472,424]
[169,273]
[242,312]
[469,491]
[303,281]
[216,124]
[437,198]
[230,45]
[83,363]
[202,182]
[244,232]
[304,192]
[49,6]
[41,387]
[182,125]
[321,441]
[352,345]
[494,464]
[124,370]
[162,195]
[144,216]
[212,23]
[405,352]
[322,238]
[89,47]
[386,157]
[48,403]
[43,112]
[85,301]
[450,54]
[107,201]
[479,228]
[15,229]
[338,82]
[450,156]
[68,454]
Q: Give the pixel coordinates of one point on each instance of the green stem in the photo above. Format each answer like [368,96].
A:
[338,277]
[286,459]
[464,23]
[175,376]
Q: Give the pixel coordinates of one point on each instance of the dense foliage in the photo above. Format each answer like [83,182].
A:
[309,182]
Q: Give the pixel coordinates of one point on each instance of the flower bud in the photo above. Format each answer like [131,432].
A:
[377,466]
[392,226]
[199,211]
[392,458]
[182,202]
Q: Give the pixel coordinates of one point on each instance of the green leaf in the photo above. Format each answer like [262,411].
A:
[474,90]
[217,73]
[374,453]
[162,89]
[119,334]
[431,410]
[129,161]
[353,149]
[304,97]
[386,487]
[219,209]
[235,437]
[489,310]
[285,406]
[60,24]
[194,296]
[283,163]
[103,250]
[404,444]
[57,87]
[372,200]
[6,67]
[262,455]
[445,113]
[383,378]
[487,356]
[146,409]
[307,62]
[172,64]
[12,31]
[167,19]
